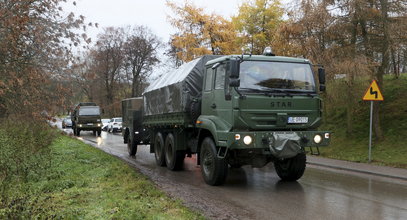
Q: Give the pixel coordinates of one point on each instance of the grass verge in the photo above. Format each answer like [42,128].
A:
[353,146]
[82,182]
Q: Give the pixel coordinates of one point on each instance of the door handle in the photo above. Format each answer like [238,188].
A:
[213,105]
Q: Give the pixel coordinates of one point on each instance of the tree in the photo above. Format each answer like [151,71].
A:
[35,43]
[257,23]
[199,33]
[108,59]
[140,55]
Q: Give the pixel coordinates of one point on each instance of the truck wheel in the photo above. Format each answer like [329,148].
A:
[159,149]
[99,132]
[213,169]
[173,158]
[131,146]
[291,169]
[94,133]
[78,132]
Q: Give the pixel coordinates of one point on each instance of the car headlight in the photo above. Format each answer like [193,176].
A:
[98,125]
[247,140]
[80,125]
[317,138]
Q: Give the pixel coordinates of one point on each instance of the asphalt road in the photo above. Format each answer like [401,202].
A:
[253,193]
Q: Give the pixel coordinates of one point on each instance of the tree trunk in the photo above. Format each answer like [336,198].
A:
[382,68]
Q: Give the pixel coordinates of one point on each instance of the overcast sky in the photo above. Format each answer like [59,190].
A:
[150,13]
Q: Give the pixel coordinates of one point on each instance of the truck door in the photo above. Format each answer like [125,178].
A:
[207,96]
[214,94]
[223,108]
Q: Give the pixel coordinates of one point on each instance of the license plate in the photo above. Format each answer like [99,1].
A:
[297,120]
[90,124]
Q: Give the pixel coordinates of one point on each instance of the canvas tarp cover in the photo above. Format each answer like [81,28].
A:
[174,91]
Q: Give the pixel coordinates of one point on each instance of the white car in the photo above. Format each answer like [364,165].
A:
[105,123]
[115,125]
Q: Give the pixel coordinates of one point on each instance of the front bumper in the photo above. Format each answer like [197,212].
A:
[90,126]
[281,144]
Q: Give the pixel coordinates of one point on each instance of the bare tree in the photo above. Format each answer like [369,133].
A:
[140,56]
[108,60]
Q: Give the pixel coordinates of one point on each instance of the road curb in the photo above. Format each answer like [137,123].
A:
[388,172]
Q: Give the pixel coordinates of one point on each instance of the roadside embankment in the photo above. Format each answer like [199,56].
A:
[48,175]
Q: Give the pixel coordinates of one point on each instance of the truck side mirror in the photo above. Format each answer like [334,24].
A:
[233,68]
[234,82]
[321,77]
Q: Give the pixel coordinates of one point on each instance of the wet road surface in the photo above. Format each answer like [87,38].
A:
[258,193]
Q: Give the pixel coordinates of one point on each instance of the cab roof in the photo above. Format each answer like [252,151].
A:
[260,58]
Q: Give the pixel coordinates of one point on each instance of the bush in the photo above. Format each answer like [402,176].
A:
[24,157]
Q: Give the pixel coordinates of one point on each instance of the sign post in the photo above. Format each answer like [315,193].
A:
[372,94]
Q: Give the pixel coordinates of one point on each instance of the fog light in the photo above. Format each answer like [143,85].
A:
[237,137]
[317,139]
[136,132]
[327,135]
[247,140]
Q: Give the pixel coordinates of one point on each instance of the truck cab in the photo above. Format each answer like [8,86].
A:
[86,117]
[262,108]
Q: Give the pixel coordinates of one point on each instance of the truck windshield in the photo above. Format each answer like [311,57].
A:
[89,111]
[276,76]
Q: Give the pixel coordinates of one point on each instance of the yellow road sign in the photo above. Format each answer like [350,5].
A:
[373,93]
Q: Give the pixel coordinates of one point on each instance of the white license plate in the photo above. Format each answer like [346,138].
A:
[90,124]
[297,120]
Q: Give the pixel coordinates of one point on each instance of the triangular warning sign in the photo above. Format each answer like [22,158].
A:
[373,93]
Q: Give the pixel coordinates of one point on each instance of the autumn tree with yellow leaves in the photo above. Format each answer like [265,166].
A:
[199,33]
[257,23]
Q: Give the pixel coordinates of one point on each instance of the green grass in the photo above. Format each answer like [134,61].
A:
[392,151]
[85,183]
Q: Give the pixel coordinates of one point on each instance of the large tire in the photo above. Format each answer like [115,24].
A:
[291,169]
[131,145]
[159,149]
[99,132]
[214,170]
[78,132]
[173,158]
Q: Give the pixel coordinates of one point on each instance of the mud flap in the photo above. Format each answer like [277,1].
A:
[285,145]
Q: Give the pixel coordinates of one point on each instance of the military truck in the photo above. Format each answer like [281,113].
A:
[232,111]
[86,117]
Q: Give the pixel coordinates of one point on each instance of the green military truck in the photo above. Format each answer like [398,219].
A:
[232,111]
[86,117]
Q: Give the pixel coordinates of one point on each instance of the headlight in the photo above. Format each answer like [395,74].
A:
[98,125]
[80,125]
[317,139]
[136,132]
[247,140]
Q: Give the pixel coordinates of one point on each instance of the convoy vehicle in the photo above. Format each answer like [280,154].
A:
[115,125]
[105,123]
[232,111]
[86,117]
[67,122]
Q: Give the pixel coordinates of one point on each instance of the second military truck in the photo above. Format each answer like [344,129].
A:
[86,117]
[231,111]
